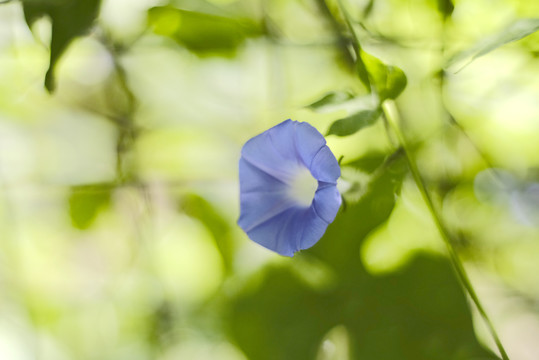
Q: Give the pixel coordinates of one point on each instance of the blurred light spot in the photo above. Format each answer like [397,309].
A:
[317,274]
[198,349]
[12,347]
[518,264]
[88,62]
[222,2]
[493,185]
[75,147]
[408,231]
[50,348]
[521,332]
[525,205]
[167,22]
[42,30]
[16,161]
[500,188]
[187,261]
[381,254]
[126,17]
[335,345]
[186,155]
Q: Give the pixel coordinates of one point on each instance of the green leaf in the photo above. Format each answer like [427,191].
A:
[70,18]
[388,81]
[367,10]
[86,201]
[445,7]
[334,97]
[514,32]
[199,208]
[203,34]
[354,123]
[282,318]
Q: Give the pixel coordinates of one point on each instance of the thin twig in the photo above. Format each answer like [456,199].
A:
[128,131]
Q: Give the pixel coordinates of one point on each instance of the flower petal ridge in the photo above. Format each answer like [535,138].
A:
[269,165]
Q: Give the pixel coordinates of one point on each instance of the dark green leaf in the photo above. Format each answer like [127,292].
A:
[281,319]
[85,202]
[203,34]
[70,18]
[514,32]
[354,123]
[445,7]
[388,81]
[334,97]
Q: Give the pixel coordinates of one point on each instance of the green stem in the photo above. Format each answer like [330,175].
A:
[127,129]
[392,115]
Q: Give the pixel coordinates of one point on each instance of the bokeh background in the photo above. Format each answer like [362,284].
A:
[119,184]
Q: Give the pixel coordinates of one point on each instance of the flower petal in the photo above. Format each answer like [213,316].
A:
[325,167]
[308,142]
[261,153]
[300,138]
[314,231]
[280,234]
[292,230]
[327,202]
[253,179]
[261,196]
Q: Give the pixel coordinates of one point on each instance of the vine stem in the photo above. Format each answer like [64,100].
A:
[393,118]
[392,115]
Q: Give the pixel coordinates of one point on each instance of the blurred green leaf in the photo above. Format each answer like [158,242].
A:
[204,34]
[282,318]
[417,313]
[514,32]
[354,123]
[161,322]
[368,163]
[445,7]
[389,81]
[367,10]
[202,210]
[86,201]
[334,97]
[70,18]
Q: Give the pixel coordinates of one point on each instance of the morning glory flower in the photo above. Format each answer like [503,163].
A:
[288,187]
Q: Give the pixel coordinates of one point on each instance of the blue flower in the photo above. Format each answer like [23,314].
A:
[288,187]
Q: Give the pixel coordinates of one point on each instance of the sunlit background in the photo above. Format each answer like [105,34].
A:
[119,190]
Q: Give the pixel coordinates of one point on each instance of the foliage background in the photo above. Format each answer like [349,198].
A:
[119,189]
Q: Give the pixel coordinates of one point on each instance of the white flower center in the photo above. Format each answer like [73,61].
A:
[302,187]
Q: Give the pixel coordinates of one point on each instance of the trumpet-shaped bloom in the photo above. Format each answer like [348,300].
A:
[288,187]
